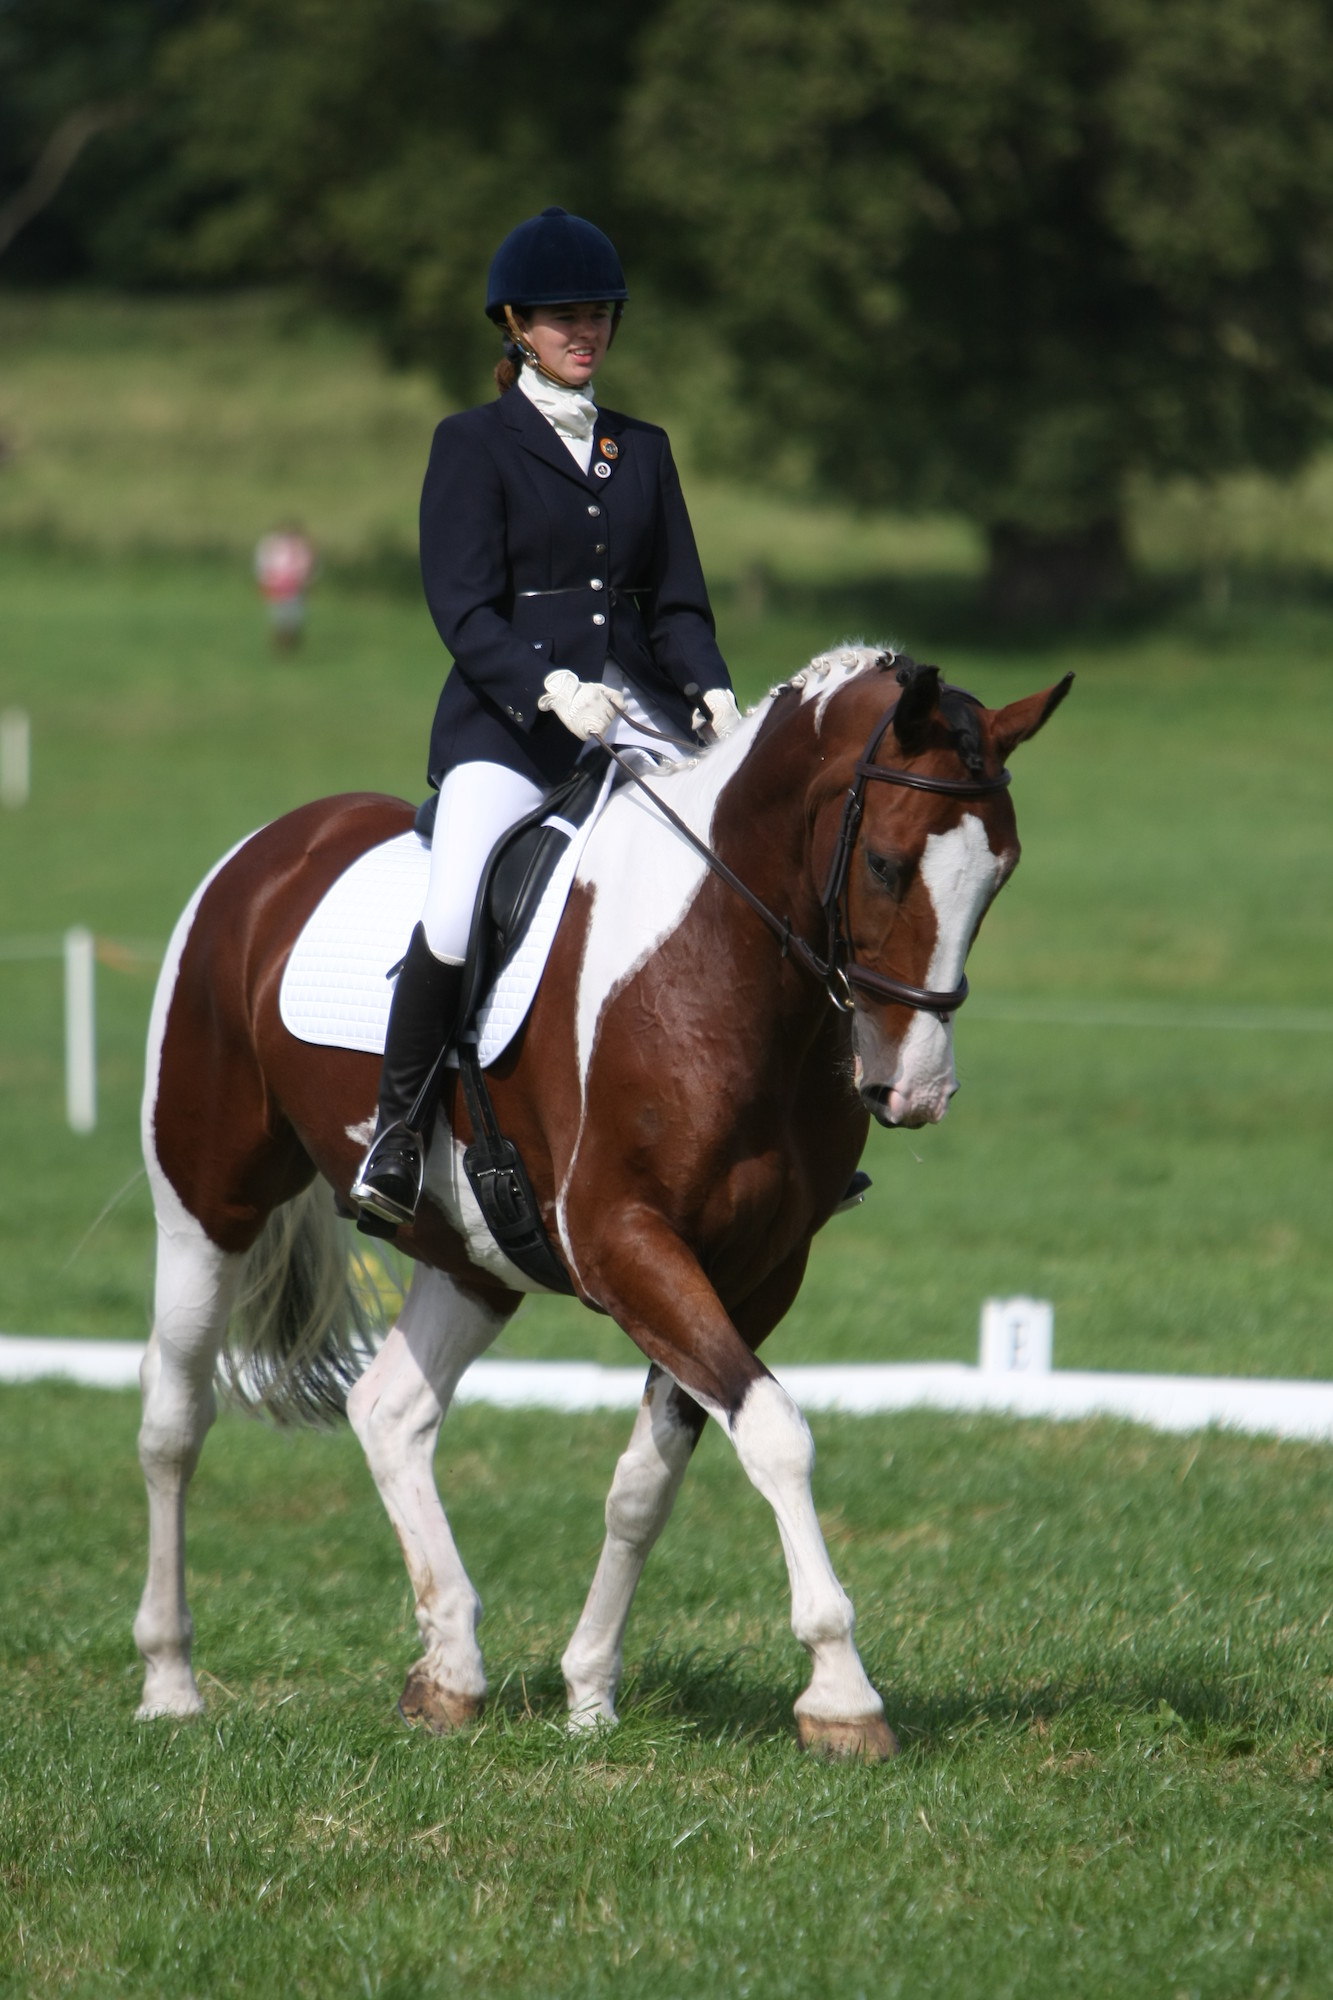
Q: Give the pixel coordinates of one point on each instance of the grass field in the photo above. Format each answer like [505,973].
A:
[1164,1184]
[1110,1656]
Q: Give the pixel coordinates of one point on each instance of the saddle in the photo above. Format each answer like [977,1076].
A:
[512,884]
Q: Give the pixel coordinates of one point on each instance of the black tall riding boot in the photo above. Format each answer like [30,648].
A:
[422,1021]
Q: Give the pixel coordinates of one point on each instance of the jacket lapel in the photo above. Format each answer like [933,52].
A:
[539,437]
[536,435]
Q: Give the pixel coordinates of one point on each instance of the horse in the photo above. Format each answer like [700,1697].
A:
[690,1094]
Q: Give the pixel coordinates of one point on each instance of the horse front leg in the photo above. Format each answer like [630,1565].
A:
[651,1281]
[643,1492]
[396,1410]
[647,1479]
[193,1296]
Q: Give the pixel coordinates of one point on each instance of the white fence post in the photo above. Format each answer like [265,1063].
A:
[15,757]
[80,1031]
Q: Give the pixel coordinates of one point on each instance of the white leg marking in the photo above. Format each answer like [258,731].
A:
[642,1495]
[774,1445]
[396,1410]
[196,1284]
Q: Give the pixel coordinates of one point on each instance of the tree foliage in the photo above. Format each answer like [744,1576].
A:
[86,159]
[383,147]
[999,254]
[992,255]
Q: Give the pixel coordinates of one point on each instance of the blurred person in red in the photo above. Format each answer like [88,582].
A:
[284,565]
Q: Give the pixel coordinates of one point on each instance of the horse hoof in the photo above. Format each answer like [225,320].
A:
[590,1717]
[169,1697]
[440,1711]
[867,1737]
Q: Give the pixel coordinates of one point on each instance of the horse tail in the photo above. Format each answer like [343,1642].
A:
[303,1329]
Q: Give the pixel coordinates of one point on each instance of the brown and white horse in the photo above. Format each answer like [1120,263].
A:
[689,1106]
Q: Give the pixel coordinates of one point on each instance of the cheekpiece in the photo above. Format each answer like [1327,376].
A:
[554,259]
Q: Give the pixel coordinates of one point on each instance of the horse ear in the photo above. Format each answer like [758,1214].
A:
[916,704]
[1022,719]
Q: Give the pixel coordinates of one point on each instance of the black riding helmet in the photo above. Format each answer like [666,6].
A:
[554,259]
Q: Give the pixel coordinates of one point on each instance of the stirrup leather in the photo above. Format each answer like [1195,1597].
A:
[389,1180]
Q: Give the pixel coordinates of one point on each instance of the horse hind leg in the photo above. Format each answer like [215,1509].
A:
[195,1288]
[647,1479]
[396,1410]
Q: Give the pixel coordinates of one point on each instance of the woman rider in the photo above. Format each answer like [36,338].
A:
[561,571]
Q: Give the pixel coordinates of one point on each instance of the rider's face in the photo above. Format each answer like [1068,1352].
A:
[569,341]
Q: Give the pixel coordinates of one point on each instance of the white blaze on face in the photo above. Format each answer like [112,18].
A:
[961,874]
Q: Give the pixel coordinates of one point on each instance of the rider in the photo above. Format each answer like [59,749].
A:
[561,571]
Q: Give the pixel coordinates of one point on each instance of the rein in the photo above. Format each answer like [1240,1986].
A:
[839,972]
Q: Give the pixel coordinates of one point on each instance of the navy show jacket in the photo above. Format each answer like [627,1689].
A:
[529,563]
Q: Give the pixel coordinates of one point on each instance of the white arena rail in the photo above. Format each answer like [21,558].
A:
[1163,1402]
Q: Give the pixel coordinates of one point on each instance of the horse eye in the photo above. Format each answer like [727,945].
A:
[889,870]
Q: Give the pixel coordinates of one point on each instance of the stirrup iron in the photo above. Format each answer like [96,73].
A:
[400,1145]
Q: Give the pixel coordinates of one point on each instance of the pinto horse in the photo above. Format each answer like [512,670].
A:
[689,1107]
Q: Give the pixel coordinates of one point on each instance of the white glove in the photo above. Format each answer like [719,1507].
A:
[722,711]
[585,707]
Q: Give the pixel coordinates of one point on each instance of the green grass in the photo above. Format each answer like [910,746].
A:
[186,426]
[133,427]
[1115,1710]
[1110,1656]
[1165,1186]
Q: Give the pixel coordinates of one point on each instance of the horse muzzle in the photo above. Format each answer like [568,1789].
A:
[905,1108]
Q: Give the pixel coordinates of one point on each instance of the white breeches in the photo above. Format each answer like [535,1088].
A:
[479,802]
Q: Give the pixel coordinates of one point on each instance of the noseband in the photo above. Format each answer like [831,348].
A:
[839,972]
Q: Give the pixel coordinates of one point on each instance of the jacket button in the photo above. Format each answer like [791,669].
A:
[598,618]
[599,548]
[596,583]
[594,509]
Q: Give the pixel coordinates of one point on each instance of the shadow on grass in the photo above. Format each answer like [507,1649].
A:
[1148,1707]
[733,1700]
[715,1699]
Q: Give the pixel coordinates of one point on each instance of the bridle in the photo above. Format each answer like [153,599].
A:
[841,964]
[839,972]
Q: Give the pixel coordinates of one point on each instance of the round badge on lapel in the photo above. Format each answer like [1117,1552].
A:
[608,447]
[602,471]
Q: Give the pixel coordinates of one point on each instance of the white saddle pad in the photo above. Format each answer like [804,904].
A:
[334,990]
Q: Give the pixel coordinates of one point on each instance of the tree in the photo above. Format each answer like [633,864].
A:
[380,149]
[85,170]
[999,255]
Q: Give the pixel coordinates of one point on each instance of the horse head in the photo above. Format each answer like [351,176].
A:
[921,855]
